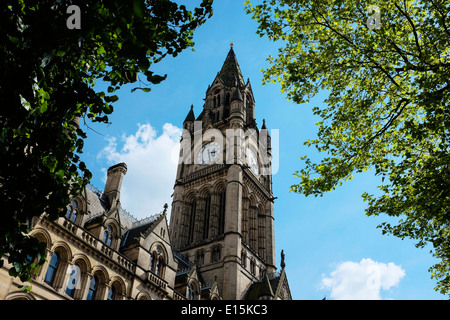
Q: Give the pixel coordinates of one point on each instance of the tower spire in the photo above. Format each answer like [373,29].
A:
[190,116]
[231,70]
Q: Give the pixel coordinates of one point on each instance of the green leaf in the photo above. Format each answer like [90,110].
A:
[101,50]
[385,94]
[45,67]
[14,39]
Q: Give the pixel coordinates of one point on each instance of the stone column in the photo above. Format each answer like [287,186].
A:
[86,285]
[232,242]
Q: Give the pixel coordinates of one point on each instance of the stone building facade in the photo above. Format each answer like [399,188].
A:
[220,240]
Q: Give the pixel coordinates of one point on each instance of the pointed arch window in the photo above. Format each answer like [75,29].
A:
[191,221]
[200,255]
[157,262]
[244,259]
[108,235]
[159,266]
[153,259]
[206,217]
[222,202]
[253,266]
[191,291]
[253,227]
[261,237]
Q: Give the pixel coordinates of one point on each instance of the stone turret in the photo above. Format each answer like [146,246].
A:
[114,183]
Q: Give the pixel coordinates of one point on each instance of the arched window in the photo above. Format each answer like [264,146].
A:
[253,227]
[108,235]
[244,259]
[93,288]
[153,259]
[158,266]
[191,221]
[191,291]
[206,216]
[74,280]
[112,293]
[72,211]
[200,257]
[157,262]
[222,203]
[52,268]
[253,266]
[261,237]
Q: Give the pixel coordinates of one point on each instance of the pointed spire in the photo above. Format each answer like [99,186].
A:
[264,124]
[190,116]
[231,71]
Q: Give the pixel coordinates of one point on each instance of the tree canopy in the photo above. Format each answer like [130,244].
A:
[385,69]
[52,52]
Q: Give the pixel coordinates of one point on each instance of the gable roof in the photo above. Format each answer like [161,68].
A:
[141,227]
[269,286]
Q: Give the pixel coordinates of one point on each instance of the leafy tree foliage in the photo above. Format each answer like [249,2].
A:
[48,72]
[387,110]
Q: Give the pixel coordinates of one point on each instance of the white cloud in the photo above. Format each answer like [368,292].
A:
[363,280]
[152,164]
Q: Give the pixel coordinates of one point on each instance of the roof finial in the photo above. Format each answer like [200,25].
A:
[264,124]
[232,44]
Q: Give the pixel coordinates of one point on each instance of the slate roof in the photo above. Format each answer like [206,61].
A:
[231,72]
[97,205]
[266,287]
[190,116]
[138,228]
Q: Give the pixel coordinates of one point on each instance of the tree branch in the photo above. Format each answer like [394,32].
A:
[416,38]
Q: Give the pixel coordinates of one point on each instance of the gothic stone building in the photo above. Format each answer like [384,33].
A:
[220,240]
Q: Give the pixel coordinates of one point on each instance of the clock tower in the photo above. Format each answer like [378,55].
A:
[222,215]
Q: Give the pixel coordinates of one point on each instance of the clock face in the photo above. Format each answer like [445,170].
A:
[252,161]
[209,153]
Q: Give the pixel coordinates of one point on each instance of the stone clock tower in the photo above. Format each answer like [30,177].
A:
[222,215]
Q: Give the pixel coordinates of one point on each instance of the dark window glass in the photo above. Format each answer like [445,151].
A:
[52,267]
[93,286]
[112,294]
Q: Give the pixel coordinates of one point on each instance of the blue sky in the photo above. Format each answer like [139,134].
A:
[332,248]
